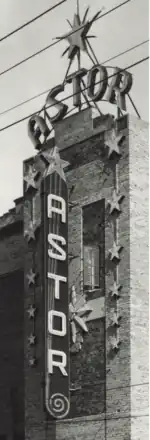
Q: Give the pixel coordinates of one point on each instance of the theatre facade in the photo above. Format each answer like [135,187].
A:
[74,273]
[73,264]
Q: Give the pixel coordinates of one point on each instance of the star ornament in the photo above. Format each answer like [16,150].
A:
[113,142]
[114,203]
[77,37]
[29,178]
[32,362]
[29,233]
[115,342]
[31,277]
[56,164]
[31,311]
[31,339]
[115,290]
[115,319]
[114,252]
[78,309]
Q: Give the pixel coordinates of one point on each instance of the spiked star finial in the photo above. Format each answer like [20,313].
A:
[114,203]
[31,277]
[31,311]
[114,252]
[29,178]
[78,38]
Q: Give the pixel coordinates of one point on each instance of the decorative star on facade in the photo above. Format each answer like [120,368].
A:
[32,362]
[31,311]
[115,342]
[115,289]
[29,233]
[115,319]
[31,339]
[56,164]
[114,202]
[29,178]
[78,309]
[76,347]
[113,143]
[31,277]
[114,252]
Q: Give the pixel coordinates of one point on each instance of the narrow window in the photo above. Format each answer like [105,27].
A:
[93,246]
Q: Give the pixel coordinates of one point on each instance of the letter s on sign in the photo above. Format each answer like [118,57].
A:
[52,238]
[50,100]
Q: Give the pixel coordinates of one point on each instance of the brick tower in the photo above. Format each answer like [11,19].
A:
[106,176]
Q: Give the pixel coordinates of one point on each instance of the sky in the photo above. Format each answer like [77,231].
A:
[115,33]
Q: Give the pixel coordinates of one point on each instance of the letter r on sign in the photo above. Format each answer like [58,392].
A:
[59,364]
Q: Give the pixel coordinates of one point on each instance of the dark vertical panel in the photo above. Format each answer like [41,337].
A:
[57,385]
[12,354]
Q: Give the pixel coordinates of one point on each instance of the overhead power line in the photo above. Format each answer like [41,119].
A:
[126,51]
[113,9]
[70,96]
[47,90]
[19,63]
[31,21]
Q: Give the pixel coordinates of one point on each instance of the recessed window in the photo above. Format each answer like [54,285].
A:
[94,246]
[91,267]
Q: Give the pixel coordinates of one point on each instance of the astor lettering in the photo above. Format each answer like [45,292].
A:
[100,85]
[57,252]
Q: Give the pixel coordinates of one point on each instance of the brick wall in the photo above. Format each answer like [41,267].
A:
[92,175]
[139,270]
[118,390]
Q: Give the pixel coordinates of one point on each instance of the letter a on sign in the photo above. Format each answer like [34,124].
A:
[55,242]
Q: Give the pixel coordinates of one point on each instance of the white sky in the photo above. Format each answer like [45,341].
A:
[116,32]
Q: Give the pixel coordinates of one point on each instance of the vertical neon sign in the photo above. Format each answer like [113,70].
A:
[55,216]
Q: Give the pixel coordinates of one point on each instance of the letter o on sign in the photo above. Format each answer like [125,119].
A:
[91,80]
[51,329]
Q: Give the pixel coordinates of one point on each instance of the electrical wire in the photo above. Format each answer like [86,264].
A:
[70,96]
[47,90]
[102,382]
[19,63]
[126,51]
[31,21]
